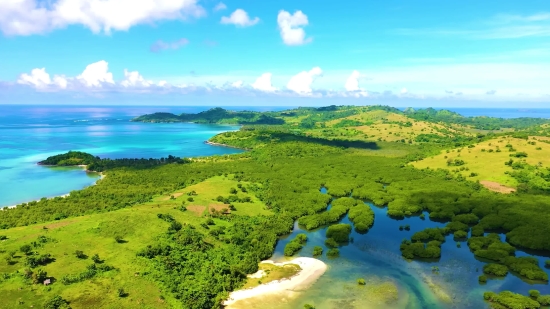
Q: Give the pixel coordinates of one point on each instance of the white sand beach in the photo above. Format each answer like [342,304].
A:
[312,269]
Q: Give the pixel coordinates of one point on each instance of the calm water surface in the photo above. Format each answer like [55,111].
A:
[375,256]
[29,134]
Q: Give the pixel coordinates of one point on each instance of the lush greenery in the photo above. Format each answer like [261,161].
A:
[295,245]
[189,231]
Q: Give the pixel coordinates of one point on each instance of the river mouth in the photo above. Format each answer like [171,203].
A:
[448,282]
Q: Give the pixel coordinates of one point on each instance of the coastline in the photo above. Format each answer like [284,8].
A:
[101,176]
[224,145]
[311,270]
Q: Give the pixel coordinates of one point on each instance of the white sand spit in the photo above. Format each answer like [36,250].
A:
[312,269]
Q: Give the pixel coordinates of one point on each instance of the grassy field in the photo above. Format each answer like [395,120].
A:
[486,160]
[95,234]
[392,127]
[270,272]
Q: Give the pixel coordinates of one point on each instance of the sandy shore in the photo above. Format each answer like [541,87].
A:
[312,269]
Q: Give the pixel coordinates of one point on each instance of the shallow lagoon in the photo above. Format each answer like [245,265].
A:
[375,256]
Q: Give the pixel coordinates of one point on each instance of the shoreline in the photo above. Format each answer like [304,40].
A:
[224,145]
[311,270]
[101,176]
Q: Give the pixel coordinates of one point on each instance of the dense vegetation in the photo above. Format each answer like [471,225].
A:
[97,164]
[197,262]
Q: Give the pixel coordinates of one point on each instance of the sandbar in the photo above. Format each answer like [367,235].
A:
[312,269]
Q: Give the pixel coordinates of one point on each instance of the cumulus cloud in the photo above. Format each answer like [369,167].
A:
[220,7]
[239,18]
[160,45]
[301,82]
[291,27]
[38,78]
[263,83]
[96,75]
[352,85]
[134,79]
[491,92]
[27,17]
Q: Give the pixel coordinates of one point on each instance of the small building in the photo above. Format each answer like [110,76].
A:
[47,282]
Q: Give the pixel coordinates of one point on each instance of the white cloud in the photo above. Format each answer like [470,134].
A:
[352,85]
[38,78]
[491,92]
[290,27]
[239,18]
[404,91]
[160,45]
[263,83]
[301,82]
[60,81]
[237,84]
[162,83]
[220,7]
[96,74]
[134,79]
[26,17]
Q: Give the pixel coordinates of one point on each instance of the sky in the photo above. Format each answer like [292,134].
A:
[237,52]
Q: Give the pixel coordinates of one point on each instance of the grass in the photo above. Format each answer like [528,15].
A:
[95,234]
[271,272]
[391,127]
[490,165]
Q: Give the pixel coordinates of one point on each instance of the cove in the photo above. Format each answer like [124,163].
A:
[28,137]
[375,256]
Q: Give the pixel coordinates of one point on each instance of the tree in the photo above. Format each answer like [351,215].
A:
[121,293]
[39,276]
[317,250]
[26,249]
[80,254]
[56,302]
[96,258]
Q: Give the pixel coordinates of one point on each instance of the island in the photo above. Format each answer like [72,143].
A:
[188,233]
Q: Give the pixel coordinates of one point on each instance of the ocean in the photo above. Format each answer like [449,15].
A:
[30,133]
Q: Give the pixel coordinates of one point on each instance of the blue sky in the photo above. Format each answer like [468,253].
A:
[422,53]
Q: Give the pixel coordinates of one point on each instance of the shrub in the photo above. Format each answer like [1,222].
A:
[339,232]
[96,258]
[317,250]
[26,249]
[495,269]
[331,243]
[119,239]
[361,281]
[295,245]
[482,279]
[333,252]
[534,293]
[56,302]
[544,300]
[309,306]
[507,299]
[460,235]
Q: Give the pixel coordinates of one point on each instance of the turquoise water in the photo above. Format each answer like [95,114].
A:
[29,134]
[375,256]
